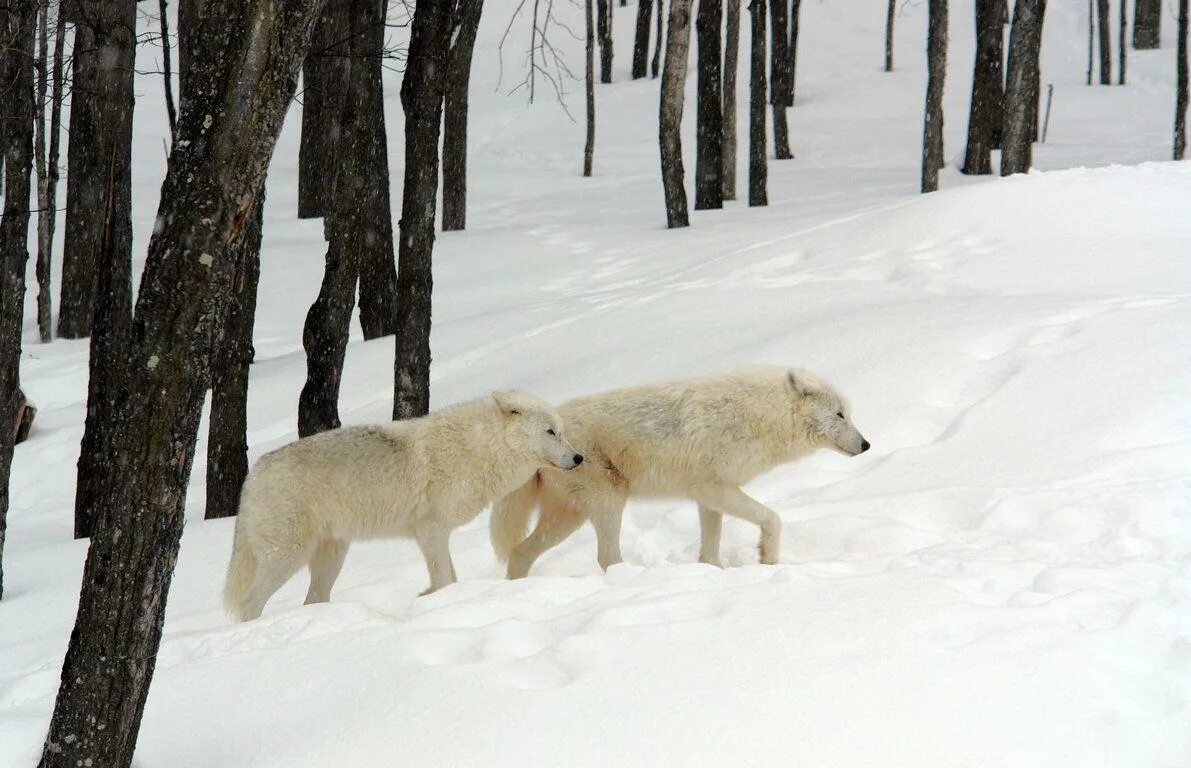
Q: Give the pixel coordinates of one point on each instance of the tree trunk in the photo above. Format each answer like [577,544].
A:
[227,431]
[110,106]
[1091,38]
[324,83]
[1021,86]
[988,95]
[1105,42]
[422,100]
[758,155]
[890,10]
[604,30]
[247,58]
[1122,36]
[641,40]
[795,16]
[779,79]
[731,54]
[45,210]
[100,117]
[17,21]
[656,63]
[678,43]
[324,338]
[589,83]
[932,129]
[454,141]
[366,187]
[1147,24]
[171,111]
[1180,104]
[709,134]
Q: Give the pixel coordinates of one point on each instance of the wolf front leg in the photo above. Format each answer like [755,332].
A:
[730,500]
[433,540]
[711,524]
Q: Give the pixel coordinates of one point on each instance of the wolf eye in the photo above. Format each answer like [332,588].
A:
[549,431]
[840,415]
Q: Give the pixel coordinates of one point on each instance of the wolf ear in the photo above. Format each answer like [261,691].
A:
[504,402]
[796,386]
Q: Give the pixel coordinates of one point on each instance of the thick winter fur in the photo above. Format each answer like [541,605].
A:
[303,503]
[699,439]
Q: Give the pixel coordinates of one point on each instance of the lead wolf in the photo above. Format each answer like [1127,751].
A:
[698,439]
[419,478]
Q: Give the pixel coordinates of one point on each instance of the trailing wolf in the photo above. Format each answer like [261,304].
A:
[303,503]
[698,439]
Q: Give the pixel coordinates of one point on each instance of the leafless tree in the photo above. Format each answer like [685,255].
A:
[932,131]
[678,40]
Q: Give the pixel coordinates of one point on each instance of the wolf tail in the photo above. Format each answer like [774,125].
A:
[241,573]
[510,517]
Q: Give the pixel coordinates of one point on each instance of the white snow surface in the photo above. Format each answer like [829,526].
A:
[1004,580]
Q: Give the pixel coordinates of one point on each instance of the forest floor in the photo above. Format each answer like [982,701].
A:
[1004,580]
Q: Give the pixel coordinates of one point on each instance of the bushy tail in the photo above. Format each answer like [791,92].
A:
[241,572]
[510,517]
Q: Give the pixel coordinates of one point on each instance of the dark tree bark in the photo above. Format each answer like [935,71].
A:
[641,40]
[1122,36]
[1105,42]
[890,11]
[324,83]
[1021,86]
[678,41]
[1091,38]
[17,21]
[589,86]
[656,64]
[779,77]
[988,95]
[604,32]
[45,210]
[248,54]
[758,155]
[167,78]
[731,54]
[110,106]
[366,185]
[100,111]
[709,133]
[932,129]
[1180,104]
[1147,24]
[795,16]
[465,23]
[227,430]
[422,100]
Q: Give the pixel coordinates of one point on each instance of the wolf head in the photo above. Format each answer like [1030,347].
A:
[823,416]
[536,428]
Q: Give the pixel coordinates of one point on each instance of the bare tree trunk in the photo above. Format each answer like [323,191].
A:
[988,95]
[731,54]
[709,133]
[324,338]
[1105,43]
[216,171]
[1180,104]
[604,30]
[758,154]
[110,106]
[1021,86]
[1122,36]
[1147,24]
[367,186]
[17,22]
[227,431]
[1091,38]
[779,79]
[466,23]
[45,209]
[656,63]
[166,76]
[795,16]
[678,43]
[890,11]
[641,41]
[589,83]
[324,82]
[422,99]
[932,129]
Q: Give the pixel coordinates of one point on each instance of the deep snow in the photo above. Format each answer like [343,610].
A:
[1005,580]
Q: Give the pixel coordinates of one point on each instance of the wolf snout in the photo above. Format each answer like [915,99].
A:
[865,445]
[579,459]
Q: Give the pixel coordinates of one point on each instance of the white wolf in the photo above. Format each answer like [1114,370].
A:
[699,439]
[420,478]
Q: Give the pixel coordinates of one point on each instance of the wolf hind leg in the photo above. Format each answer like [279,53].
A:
[325,564]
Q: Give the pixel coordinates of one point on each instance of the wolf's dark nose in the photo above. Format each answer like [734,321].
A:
[577,459]
[864,446]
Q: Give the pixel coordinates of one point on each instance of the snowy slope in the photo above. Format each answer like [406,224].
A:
[1004,580]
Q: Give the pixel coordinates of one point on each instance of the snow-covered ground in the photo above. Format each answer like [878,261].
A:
[1004,580]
